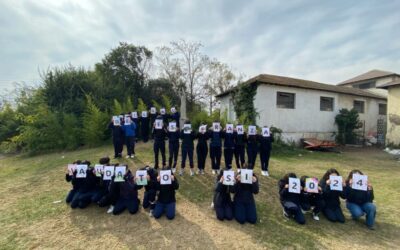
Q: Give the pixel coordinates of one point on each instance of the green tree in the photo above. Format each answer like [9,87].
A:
[347,121]
[94,124]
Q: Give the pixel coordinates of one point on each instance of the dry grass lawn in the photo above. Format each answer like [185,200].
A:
[29,219]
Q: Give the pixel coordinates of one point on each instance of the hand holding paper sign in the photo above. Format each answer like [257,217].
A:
[165,177]
[294,185]
[246,176]
[141,177]
[360,182]
[228,177]
[335,182]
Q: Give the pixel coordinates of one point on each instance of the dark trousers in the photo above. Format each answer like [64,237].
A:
[251,156]
[98,195]
[317,203]
[239,156]
[149,199]
[118,146]
[228,156]
[167,208]
[70,195]
[131,204]
[294,210]
[130,145]
[245,212]
[225,212]
[173,153]
[187,152]
[215,154]
[333,214]
[82,200]
[159,146]
[264,157]
[202,151]
[108,199]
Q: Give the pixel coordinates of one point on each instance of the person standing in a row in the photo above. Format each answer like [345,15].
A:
[159,134]
[215,135]
[202,148]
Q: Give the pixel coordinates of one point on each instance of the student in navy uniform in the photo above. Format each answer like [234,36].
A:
[112,195]
[360,202]
[240,142]
[187,137]
[152,120]
[331,198]
[101,185]
[128,195]
[159,136]
[222,201]
[201,150]
[149,197]
[136,120]
[175,116]
[118,139]
[166,201]
[252,148]
[87,188]
[243,200]
[215,149]
[164,116]
[144,127]
[173,146]
[265,146]
[290,201]
[310,201]
[71,177]
[229,147]
[129,128]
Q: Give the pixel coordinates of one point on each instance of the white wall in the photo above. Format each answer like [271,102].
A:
[306,120]
[227,104]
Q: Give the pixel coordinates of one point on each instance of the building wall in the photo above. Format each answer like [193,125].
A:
[393,118]
[227,104]
[306,120]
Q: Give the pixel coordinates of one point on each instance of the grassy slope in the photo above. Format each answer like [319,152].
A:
[30,219]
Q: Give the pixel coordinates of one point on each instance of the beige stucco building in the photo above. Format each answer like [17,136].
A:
[393,112]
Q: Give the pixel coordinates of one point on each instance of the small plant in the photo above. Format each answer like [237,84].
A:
[347,121]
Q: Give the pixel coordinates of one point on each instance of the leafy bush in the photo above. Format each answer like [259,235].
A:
[347,121]
[94,124]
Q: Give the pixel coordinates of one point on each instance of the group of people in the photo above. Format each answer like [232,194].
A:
[90,185]
[326,197]
[232,142]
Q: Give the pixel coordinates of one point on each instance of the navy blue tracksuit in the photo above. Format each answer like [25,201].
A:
[87,189]
[187,148]
[291,202]
[159,145]
[128,196]
[144,128]
[239,151]
[173,146]
[215,149]
[265,146]
[223,204]
[252,148]
[201,150]
[118,139]
[331,203]
[229,147]
[243,201]
[150,192]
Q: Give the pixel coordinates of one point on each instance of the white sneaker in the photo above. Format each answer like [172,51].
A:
[132,156]
[151,213]
[199,171]
[191,172]
[173,170]
[266,173]
[181,172]
[238,170]
[315,216]
[202,172]
[110,209]
[212,205]
[213,172]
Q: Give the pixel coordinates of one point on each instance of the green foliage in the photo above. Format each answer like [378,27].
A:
[243,100]
[117,108]
[128,107]
[167,103]
[199,118]
[94,124]
[141,106]
[9,122]
[347,121]
[156,105]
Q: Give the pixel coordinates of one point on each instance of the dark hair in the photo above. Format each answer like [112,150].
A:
[287,176]
[303,180]
[104,160]
[328,173]
[77,162]
[354,171]
[187,122]
[86,162]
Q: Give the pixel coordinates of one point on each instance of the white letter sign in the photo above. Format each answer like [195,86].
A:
[229,177]
[312,185]
[98,169]
[240,129]
[360,182]
[108,172]
[265,132]
[336,182]
[229,128]
[246,176]
[294,185]
[141,177]
[120,173]
[158,124]
[252,130]
[216,127]
[81,171]
[165,177]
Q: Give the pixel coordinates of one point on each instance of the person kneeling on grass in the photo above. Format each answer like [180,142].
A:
[87,188]
[166,201]
[309,200]
[149,197]
[128,195]
[359,202]
[222,201]
[332,210]
[70,176]
[290,201]
[243,200]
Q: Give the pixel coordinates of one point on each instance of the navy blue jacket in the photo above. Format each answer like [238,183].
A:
[187,140]
[244,192]
[128,189]
[222,195]
[239,140]
[215,138]
[330,197]
[229,140]
[166,193]
[285,195]
[358,197]
[173,137]
[117,132]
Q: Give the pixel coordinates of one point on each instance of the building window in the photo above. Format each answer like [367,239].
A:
[326,103]
[285,100]
[382,108]
[359,106]
[367,85]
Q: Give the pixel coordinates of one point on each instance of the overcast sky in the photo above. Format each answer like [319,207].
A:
[326,41]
